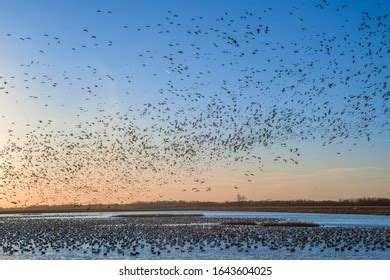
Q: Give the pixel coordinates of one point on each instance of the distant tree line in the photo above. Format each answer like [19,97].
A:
[241,202]
[269,203]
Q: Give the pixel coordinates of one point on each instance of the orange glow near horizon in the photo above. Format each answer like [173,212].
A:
[340,183]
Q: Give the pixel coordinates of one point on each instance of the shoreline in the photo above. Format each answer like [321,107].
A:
[357,210]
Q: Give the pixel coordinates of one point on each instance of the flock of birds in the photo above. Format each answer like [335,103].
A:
[184,238]
[231,92]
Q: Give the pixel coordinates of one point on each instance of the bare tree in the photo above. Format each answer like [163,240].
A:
[240,200]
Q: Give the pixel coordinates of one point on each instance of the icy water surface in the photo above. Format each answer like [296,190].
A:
[101,236]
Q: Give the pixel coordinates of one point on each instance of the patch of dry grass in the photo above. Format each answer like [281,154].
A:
[270,224]
[288,224]
[159,216]
[239,223]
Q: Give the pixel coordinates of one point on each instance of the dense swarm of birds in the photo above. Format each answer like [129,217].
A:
[229,95]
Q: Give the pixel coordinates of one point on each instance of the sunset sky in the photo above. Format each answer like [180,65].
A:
[52,52]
